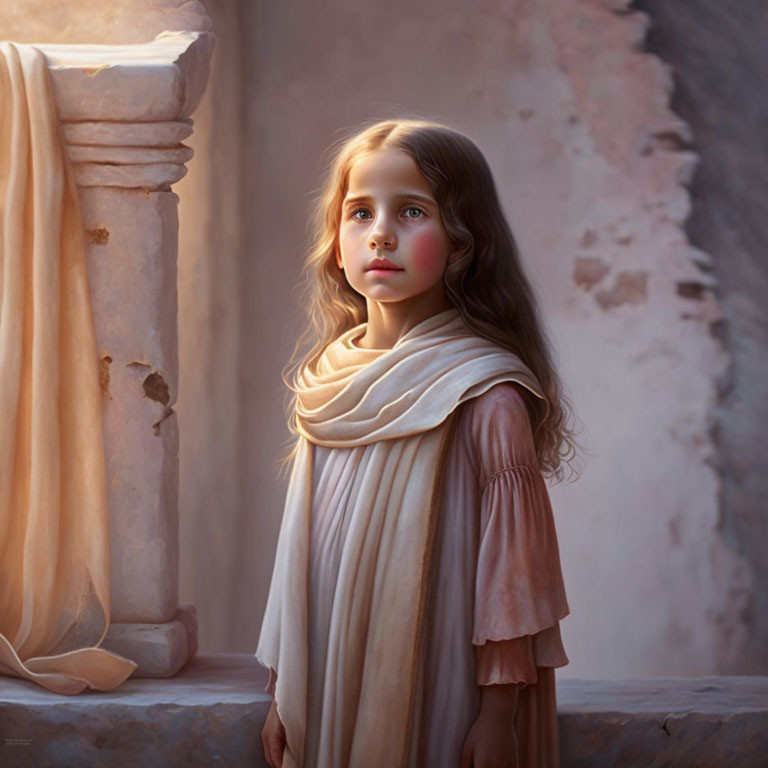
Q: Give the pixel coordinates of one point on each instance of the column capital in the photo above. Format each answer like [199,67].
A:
[125,108]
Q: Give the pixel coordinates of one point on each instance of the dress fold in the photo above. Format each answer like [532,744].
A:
[270,687]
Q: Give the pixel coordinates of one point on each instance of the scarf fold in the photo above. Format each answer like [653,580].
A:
[54,526]
[398,405]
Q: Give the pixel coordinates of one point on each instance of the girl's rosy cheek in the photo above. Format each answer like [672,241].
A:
[429,253]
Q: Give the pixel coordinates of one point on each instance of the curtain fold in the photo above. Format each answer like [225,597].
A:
[54,522]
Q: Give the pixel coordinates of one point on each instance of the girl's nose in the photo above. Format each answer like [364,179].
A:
[381,240]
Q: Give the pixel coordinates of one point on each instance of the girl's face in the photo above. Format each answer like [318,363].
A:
[389,218]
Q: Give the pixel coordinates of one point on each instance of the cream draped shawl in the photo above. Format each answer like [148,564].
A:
[54,528]
[398,403]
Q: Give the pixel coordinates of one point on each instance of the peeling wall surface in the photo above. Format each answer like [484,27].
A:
[719,55]
[592,168]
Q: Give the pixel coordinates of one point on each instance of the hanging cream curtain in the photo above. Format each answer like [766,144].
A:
[54,527]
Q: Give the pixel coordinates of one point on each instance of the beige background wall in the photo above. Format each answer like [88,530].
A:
[574,122]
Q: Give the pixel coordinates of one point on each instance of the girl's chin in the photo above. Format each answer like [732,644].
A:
[389,297]
[389,290]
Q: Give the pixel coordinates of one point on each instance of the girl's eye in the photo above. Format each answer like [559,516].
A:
[355,214]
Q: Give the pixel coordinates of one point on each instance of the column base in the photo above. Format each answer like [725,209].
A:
[160,650]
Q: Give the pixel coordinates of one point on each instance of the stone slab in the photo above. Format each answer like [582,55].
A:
[212,713]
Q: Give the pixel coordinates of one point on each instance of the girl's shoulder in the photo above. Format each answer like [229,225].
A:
[503,403]
[497,426]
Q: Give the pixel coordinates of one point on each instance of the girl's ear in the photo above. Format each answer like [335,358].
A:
[339,263]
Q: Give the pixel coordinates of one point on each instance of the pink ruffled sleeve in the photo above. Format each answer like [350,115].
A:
[519,591]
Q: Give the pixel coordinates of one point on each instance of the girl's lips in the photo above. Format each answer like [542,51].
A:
[383,265]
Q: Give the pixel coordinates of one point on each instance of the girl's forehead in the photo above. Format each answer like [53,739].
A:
[385,168]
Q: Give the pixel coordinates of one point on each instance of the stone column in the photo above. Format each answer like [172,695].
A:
[124,111]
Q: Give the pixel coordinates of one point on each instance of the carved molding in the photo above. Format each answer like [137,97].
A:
[125,108]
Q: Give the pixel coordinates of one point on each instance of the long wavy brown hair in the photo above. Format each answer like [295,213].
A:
[484,278]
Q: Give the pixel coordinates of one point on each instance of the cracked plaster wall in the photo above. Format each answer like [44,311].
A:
[592,168]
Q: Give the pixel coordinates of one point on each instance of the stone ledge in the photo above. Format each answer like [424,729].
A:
[209,714]
[716,722]
[212,712]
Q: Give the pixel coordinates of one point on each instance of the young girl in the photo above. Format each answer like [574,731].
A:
[413,615]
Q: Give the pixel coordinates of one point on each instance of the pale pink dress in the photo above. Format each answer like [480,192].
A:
[498,593]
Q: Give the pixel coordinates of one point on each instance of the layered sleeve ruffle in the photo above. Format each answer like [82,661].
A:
[516,660]
[519,590]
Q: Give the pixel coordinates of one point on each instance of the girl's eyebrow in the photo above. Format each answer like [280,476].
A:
[398,197]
